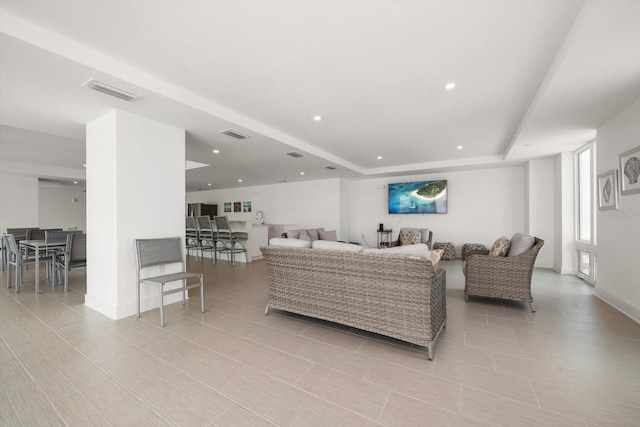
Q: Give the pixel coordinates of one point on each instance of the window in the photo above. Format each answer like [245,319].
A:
[585,219]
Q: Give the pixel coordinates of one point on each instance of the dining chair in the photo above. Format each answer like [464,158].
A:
[15,259]
[73,256]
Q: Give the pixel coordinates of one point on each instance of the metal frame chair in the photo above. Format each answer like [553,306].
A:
[192,235]
[15,258]
[207,236]
[74,255]
[230,239]
[165,251]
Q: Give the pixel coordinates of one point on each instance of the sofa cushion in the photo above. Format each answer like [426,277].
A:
[521,243]
[420,250]
[336,246]
[328,235]
[289,243]
[410,237]
[500,247]
[294,234]
[314,233]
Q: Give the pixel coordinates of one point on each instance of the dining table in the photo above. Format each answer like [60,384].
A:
[39,246]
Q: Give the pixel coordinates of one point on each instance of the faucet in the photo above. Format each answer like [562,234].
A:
[260,216]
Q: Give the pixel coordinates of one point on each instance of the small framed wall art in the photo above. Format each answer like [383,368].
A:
[630,171]
[227,206]
[246,206]
[608,190]
[237,206]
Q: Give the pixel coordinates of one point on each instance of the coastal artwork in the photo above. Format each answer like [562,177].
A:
[237,207]
[246,206]
[630,171]
[227,206]
[420,197]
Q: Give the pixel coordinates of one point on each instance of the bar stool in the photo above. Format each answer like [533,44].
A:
[207,236]
[232,241]
[192,235]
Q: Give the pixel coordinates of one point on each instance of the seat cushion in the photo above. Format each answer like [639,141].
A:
[500,247]
[410,237]
[314,233]
[419,249]
[290,243]
[521,243]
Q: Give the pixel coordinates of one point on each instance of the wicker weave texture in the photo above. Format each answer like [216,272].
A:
[392,295]
[501,277]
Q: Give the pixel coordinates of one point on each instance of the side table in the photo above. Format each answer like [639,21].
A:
[384,238]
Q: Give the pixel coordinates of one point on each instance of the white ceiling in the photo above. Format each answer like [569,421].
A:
[533,78]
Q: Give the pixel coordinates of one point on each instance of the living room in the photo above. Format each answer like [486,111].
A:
[572,362]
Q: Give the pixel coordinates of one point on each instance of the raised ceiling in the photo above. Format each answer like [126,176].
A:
[533,78]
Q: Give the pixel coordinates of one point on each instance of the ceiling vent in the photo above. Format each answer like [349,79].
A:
[331,168]
[234,134]
[112,90]
[294,154]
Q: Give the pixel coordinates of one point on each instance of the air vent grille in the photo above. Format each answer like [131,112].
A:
[112,90]
[234,134]
[294,154]
[331,168]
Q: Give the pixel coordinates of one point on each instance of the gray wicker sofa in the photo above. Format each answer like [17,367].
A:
[399,296]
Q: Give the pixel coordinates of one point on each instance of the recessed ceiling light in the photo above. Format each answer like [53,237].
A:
[209,184]
[240,180]
[85,165]
[75,182]
[459,147]
[216,151]
[301,173]
[317,118]
[450,86]
[379,157]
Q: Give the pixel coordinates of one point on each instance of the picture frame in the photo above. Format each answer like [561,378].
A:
[608,190]
[227,206]
[246,206]
[630,171]
[237,206]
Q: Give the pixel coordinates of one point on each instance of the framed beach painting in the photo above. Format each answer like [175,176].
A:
[630,171]
[237,207]
[246,206]
[608,190]
[227,206]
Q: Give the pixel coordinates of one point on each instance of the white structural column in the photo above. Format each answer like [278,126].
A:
[135,189]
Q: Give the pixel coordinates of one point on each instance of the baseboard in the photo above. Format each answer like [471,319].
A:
[126,310]
[618,304]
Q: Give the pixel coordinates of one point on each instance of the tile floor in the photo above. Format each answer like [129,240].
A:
[576,361]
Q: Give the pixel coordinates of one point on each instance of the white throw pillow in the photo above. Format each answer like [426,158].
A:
[421,250]
[336,246]
[289,243]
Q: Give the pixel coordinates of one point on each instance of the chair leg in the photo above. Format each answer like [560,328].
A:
[201,295]
[533,309]
[138,301]
[8,276]
[466,298]
[184,292]
[161,305]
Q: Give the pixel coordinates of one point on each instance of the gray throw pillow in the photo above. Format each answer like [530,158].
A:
[328,235]
[294,234]
[521,243]
[314,233]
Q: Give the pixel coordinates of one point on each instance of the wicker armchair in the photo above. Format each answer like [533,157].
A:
[501,277]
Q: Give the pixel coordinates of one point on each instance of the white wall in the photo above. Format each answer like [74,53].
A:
[62,208]
[618,231]
[482,206]
[540,206]
[18,201]
[301,204]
